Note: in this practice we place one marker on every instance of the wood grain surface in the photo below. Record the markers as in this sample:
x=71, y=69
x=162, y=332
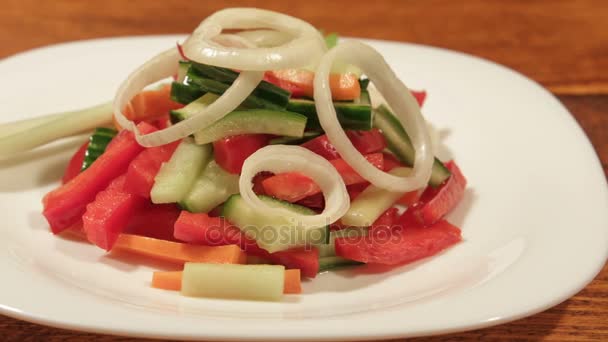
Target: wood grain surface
x=561, y=44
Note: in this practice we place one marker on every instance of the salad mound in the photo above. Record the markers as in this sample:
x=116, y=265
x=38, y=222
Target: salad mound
x=274, y=153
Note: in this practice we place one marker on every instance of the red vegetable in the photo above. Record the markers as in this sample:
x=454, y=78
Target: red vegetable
x=344, y=87
x=216, y=231
x=391, y=162
x=420, y=96
x=75, y=164
x=294, y=186
x=155, y=221
x=64, y=206
x=402, y=246
x=143, y=169
x=386, y=221
x=316, y=201
x=437, y=202
x=355, y=189
x=230, y=153
x=365, y=142
x=108, y=215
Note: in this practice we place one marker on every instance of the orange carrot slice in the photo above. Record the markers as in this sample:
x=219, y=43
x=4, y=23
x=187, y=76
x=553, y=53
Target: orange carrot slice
x=173, y=281
x=180, y=252
x=167, y=280
x=292, y=283
x=344, y=87
x=149, y=105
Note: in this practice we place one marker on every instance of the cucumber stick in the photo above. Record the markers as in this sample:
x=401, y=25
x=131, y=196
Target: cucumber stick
x=182, y=71
x=193, y=107
x=212, y=188
x=176, y=177
x=400, y=144
x=254, y=121
x=185, y=93
x=98, y=142
x=372, y=202
x=233, y=281
x=273, y=233
x=333, y=262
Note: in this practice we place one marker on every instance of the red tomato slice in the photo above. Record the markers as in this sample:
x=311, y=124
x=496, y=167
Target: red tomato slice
x=230, y=152
x=400, y=247
x=155, y=221
x=75, y=164
x=365, y=142
x=65, y=205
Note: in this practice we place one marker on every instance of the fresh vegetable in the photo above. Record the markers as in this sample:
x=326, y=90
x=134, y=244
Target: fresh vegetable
x=212, y=187
x=254, y=282
x=75, y=164
x=352, y=115
x=333, y=262
x=294, y=186
x=372, y=202
x=272, y=232
x=230, y=152
x=329, y=250
x=149, y=105
x=144, y=168
x=179, y=252
x=400, y=144
x=365, y=142
x=403, y=246
x=294, y=141
x=254, y=121
x=195, y=106
x=98, y=142
x=304, y=259
x=436, y=203
x=184, y=94
x=109, y=214
x=176, y=177
x=154, y=220
x=173, y=281
x=65, y=206
x=344, y=87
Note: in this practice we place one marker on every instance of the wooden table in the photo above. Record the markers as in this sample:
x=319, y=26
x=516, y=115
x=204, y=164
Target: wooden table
x=561, y=44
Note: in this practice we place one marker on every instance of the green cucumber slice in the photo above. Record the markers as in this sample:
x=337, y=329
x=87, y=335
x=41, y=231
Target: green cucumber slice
x=272, y=233
x=333, y=262
x=254, y=121
x=293, y=140
x=182, y=71
x=233, y=281
x=185, y=93
x=355, y=115
x=212, y=188
x=400, y=144
x=192, y=108
x=176, y=177
x=372, y=202
x=98, y=142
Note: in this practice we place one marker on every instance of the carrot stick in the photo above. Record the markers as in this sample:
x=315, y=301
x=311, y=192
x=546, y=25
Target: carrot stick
x=173, y=281
x=292, y=283
x=149, y=104
x=167, y=280
x=180, y=252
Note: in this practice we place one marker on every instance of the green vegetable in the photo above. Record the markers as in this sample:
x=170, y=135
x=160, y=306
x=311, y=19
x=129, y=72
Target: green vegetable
x=176, y=177
x=98, y=142
x=355, y=115
x=233, y=281
x=272, y=233
x=254, y=121
x=400, y=144
x=185, y=93
x=192, y=108
x=333, y=262
x=293, y=140
x=212, y=187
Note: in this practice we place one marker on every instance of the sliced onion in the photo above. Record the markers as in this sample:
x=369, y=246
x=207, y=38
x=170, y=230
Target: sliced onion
x=397, y=95
x=233, y=40
x=265, y=38
x=284, y=158
x=165, y=65
x=307, y=45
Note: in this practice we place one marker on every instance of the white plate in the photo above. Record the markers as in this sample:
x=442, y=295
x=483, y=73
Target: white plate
x=535, y=219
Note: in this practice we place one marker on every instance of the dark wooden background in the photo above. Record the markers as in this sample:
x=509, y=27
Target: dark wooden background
x=561, y=44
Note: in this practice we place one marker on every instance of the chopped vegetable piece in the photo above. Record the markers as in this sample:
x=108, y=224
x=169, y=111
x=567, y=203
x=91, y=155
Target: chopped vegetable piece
x=180, y=252
x=365, y=142
x=333, y=262
x=64, y=206
x=420, y=96
x=149, y=105
x=212, y=188
x=344, y=87
x=143, y=169
x=167, y=280
x=98, y=142
x=75, y=164
x=292, y=283
x=108, y=215
x=155, y=221
x=436, y=203
x=253, y=282
x=230, y=153
x=403, y=246
x=302, y=258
